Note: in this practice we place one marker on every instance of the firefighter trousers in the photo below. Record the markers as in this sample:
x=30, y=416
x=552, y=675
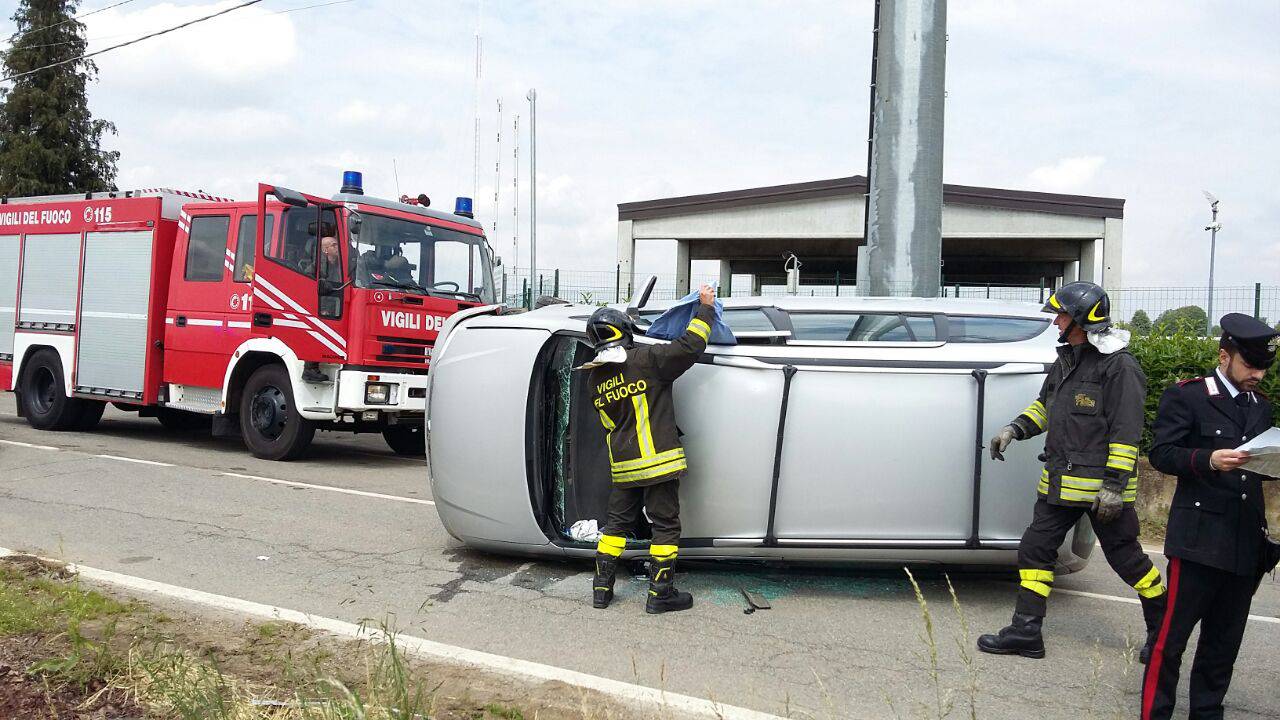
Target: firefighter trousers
x=1038, y=553
x=661, y=502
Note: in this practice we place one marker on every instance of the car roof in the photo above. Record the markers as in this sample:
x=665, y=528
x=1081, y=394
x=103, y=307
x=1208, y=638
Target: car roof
x=950, y=306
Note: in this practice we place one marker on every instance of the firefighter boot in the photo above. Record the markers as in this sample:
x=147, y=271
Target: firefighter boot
x=1153, y=614
x=1021, y=637
x=602, y=587
x=663, y=595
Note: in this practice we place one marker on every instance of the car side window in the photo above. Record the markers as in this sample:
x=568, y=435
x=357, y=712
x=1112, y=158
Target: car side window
x=862, y=327
x=298, y=245
x=986, y=329
x=244, y=245
x=207, y=248
x=748, y=320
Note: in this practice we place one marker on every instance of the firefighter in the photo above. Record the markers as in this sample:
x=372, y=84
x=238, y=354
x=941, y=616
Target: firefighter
x=1091, y=407
x=1216, y=540
x=631, y=391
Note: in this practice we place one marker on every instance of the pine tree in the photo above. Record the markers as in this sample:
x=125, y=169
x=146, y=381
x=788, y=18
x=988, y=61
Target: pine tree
x=49, y=142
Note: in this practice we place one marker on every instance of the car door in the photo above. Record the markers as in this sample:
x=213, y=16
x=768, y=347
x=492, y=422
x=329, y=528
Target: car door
x=286, y=291
x=196, y=349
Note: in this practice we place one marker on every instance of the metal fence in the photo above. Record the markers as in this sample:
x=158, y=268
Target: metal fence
x=518, y=286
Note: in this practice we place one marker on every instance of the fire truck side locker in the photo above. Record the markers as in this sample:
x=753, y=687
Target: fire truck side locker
x=9, y=247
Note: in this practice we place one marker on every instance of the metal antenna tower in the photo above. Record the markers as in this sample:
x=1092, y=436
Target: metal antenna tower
x=497, y=172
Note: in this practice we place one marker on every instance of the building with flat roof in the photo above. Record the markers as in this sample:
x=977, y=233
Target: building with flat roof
x=989, y=235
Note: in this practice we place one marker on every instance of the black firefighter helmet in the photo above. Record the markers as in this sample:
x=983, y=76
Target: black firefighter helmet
x=609, y=328
x=1086, y=303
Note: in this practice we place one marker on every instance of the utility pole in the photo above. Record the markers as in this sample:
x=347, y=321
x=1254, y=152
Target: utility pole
x=533, y=185
x=904, y=197
x=515, y=192
x=1213, y=227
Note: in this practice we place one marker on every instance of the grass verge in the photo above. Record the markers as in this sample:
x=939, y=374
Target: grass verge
x=71, y=650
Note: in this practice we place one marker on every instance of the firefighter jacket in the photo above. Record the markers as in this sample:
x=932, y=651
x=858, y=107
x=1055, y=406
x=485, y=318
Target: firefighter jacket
x=633, y=400
x=1218, y=517
x=1091, y=406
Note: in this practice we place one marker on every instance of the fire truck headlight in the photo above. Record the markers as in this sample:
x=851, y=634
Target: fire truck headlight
x=377, y=393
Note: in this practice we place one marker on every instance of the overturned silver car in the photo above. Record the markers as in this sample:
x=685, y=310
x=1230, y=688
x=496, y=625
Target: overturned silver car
x=837, y=430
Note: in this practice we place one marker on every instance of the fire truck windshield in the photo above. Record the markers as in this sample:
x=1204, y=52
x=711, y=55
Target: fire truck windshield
x=421, y=259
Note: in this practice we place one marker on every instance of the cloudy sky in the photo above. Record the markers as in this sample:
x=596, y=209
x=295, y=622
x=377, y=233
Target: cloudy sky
x=1149, y=101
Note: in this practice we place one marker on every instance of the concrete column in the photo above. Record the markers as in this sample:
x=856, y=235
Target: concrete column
x=627, y=256
x=684, y=267
x=1112, y=244
x=726, y=279
x=1090, y=255
x=756, y=285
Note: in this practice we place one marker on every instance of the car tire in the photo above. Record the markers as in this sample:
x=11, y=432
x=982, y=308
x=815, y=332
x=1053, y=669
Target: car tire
x=44, y=401
x=406, y=440
x=183, y=422
x=270, y=423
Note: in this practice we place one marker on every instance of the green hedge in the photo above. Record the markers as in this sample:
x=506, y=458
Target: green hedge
x=1169, y=358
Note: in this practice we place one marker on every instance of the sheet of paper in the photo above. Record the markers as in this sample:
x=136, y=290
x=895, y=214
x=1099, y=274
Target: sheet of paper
x=1268, y=441
x=1264, y=452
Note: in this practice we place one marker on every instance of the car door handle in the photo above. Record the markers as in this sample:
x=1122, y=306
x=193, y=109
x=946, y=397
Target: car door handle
x=180, y=321
x=262, y=319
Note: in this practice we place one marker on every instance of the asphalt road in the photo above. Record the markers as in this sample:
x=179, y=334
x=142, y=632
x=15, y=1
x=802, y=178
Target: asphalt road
x=200, y=513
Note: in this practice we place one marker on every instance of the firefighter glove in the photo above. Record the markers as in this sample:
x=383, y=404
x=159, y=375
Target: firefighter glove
x=1108, y=504
x=1002, y=440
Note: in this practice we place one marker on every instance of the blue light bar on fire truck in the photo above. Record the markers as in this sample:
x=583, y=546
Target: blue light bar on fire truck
x=462, y=206
x=352, y=182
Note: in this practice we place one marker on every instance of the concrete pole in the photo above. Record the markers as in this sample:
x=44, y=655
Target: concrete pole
x=533, y=182
x=904, y=200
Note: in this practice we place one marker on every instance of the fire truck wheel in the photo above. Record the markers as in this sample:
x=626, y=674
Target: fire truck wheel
x=406, y=440
x=269, y=421
x=44, y=401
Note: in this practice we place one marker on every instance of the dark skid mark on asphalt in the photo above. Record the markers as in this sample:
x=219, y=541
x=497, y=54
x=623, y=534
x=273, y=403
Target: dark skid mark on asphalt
x=134, y=559
x=475, y=567
x=542, y=575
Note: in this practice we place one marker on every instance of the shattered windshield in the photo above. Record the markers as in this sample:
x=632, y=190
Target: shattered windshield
x=421, y=259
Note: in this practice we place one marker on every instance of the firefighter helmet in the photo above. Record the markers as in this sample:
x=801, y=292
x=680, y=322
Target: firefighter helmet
x=1086, y=303
x=609, y=328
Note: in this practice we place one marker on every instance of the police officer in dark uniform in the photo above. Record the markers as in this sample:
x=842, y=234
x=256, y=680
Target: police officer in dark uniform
x=631, y=391
x=1216, y=541
x=1091, y=407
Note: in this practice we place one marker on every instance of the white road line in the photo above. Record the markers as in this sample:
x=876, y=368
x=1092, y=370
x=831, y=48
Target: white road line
x=28, y=445
x=1134, y=601
x=329, y=488
x=639, y=697
x=135, y=460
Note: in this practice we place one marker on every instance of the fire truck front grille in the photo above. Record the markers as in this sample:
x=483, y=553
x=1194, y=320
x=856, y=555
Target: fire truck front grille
x=408, y=351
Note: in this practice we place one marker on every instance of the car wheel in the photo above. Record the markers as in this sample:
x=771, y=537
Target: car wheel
x=270, y=423
x=406, y=440
x=183, y=422
x=44, y=400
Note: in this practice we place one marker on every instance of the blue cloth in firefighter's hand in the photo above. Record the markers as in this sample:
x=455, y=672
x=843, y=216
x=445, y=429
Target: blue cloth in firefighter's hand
x=672, y=323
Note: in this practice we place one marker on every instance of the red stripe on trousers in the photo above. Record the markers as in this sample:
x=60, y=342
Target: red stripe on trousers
x=1157, y=652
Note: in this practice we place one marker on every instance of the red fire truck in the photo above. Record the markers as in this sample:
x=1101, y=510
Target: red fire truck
x=271, y=319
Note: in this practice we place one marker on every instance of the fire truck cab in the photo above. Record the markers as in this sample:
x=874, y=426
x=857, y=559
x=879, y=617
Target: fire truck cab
x=272, y=318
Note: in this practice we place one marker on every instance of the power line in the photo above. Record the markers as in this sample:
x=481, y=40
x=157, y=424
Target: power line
x=76, y=17
x=124, y=34
x=166, y=31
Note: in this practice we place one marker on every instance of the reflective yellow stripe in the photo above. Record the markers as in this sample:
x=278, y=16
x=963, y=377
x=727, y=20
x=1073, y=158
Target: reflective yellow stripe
x=611, y=545
x=663, y=552
x=1122, y=449
x=1150, y=585
x=1037, y=575
x=1079, y=483
x=1038, y=588
x=1120, y=465
x=1121, y=460
x=653, y=472
x=643, y=431
x=644, y=462
x=699, y=328
x=1036, y=412
x=604, y=420
x=608, y=438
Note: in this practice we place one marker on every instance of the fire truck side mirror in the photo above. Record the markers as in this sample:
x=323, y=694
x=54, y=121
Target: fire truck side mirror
x=353, y=223
x=289, y=197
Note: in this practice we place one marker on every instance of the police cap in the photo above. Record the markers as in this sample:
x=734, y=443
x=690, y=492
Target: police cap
x=1252, y=338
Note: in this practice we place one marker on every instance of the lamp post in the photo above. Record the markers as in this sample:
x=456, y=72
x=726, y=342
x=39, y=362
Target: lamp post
x=1213, y=228
x=533, y=185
